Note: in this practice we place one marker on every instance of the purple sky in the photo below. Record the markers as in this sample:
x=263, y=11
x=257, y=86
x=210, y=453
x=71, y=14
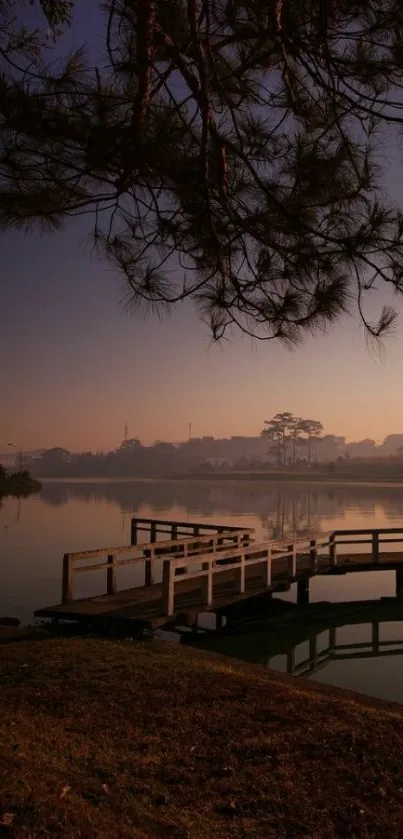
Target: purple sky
x=75, y=366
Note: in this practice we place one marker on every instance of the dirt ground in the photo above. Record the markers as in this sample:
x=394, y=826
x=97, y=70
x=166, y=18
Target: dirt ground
x=116, y=739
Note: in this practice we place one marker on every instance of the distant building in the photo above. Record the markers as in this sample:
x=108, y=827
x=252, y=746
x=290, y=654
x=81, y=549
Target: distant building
x=130, y=444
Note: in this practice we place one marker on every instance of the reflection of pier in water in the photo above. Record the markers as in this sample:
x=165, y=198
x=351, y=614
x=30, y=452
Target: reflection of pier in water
x=317, y=659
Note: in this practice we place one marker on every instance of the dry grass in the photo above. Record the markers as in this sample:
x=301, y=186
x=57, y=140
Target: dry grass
x=108, y=739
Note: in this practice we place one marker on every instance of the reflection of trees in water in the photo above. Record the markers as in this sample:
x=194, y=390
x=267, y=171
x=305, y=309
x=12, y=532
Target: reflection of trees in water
x=293, y=515
x=282, y=508
x=336, y=501
x=129, y=496
x=395, y=508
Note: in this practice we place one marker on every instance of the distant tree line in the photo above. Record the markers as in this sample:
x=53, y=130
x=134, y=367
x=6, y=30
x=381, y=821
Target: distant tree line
x=286, y=444
x=17, y=483
x=287, y=434
x=135, y=460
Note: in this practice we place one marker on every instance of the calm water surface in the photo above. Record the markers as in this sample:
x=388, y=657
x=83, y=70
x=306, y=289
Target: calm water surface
x=64, y=517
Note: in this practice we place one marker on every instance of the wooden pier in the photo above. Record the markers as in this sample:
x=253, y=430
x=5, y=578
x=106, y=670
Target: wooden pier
x=208, y=567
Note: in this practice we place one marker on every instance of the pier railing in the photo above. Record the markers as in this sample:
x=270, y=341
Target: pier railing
x=202, y=552
x=323, y=549
x=177, y=529
x=176, y=571
x=146, y=554
x=375, y=538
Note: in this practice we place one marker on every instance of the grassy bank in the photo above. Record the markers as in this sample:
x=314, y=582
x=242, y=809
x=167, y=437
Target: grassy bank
x=110, y=739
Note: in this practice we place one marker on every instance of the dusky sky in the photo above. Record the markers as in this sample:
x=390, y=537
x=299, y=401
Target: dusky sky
x=75, y=366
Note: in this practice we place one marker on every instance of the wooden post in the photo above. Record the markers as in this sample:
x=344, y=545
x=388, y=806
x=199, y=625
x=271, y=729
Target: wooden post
x=168, y=588
x=207, y=587
x=242, y=575
x=268, y=568
x=210, y=547
x=313, y=554
x=303, y=592
x=332, y=549
x=185, y=549
x=196, y=530
x=375, y=637
x=313, y=653
x=174, y=531
x=111, y=575
x=291, y=661
x=218, y=620
x=375, y=546
x=67, y=579
x=133, y=532
x=149, y=569
x=153, y=531
x=292, y=560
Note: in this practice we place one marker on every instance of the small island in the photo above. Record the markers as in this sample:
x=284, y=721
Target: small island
x=17, y=483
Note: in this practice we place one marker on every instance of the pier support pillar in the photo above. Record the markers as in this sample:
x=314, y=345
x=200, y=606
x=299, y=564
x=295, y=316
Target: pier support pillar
x=375, y=638
x=218, y=621
x=111, y=575
x=148, y=577
x=133, y=532
x=399, y=581
x=291, y=661
x=303, y=592
x=313, y=653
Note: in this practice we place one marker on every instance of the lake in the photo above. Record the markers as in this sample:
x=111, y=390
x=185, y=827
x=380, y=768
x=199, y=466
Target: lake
x=71, y=516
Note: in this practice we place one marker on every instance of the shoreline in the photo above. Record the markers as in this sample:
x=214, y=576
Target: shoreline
x=249, y=477
x=302, y=684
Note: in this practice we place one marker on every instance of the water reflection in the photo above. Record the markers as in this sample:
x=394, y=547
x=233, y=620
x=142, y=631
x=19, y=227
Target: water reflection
x=292, y=514
x=79, y=515
x=282, y=509
x=319, y=656
x=71, y=516
x=358, y=646
x=362, y=657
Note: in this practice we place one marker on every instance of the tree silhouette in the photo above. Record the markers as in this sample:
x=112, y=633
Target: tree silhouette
x=284, y=427
x=279, y=430
x=229, y=152
x=313, y=429
x=21, y=48
x=296, y=431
